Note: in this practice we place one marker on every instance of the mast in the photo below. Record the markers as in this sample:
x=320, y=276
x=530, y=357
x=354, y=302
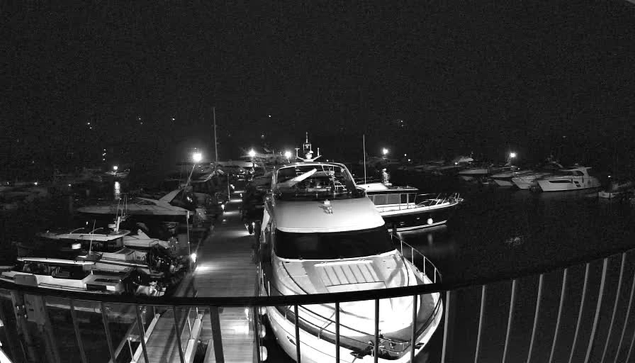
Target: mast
x=215, y=140
x=364, y=148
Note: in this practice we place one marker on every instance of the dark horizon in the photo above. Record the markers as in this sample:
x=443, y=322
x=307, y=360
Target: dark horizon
x=429, y=80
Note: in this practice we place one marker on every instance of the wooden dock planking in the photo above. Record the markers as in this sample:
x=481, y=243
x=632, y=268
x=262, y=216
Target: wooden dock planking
x=226, y=266
x=237, y=336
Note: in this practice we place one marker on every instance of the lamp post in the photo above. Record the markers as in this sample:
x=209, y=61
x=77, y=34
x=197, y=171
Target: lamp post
x=512, y=155
x=252, y=155
x=287, y=154
x=196, y=157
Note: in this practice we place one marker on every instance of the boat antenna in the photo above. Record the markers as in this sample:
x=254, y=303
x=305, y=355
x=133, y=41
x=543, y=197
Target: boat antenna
x=364, y=148
x=215, y=140
x=92, y=234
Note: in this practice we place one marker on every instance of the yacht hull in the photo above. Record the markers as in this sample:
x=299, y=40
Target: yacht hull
x=561, y=185
x=317, y=350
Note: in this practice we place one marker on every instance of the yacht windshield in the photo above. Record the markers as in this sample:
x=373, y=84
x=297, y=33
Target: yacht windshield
x=326, y=246
x=315, y=182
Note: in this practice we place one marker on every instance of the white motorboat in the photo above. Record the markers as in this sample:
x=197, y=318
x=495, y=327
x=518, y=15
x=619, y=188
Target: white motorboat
x=577, y=178
x=105, y=248
x=321, y=234
x=528, y=180
x=504, y=178
x=475, y=171
x=404, y=208
x=70, y=275
x=169, y=206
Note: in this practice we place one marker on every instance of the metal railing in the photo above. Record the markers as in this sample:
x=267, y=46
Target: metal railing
x=581, y=312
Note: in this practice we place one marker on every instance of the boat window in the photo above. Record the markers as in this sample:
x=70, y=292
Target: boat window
x=36, y=268
x=404, y=198
x=349, y=244
x=393, y=198
x=68, y=272
x=380, y=199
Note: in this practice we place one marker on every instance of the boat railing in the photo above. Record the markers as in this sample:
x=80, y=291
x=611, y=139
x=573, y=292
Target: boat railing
x=418, y=259
x=434, y=199
x=579, y=310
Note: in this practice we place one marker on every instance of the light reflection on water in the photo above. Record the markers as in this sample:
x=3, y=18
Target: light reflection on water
x=117, y=190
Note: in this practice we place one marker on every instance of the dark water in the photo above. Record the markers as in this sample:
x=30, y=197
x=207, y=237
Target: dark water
x=500, y=231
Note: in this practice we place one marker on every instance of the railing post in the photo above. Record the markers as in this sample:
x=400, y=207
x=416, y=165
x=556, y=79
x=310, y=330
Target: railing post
x=577, y=325
x=598, y=307
x=376, y=345
x=142, y=333
x=297, y=334
x=537, y=312
x=510, y=318
x=216, y=334
x=19, y=308
x=104, y=318
x=177, y=331
x=480, y=322
x=446, y=326
x=617, y=299
x=337, y=332
x=628, y=315
x=413, y=335
x=560, y=306
x=78, y=336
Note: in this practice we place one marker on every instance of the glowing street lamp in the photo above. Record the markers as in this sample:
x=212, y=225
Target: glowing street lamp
x=287, y=154
x=115, y=168
x=196, y=157
x=512, y=155
x=384, y=152
x=252, y=153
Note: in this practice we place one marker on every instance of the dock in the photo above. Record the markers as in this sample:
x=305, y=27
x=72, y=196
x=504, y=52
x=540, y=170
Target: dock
x=225, y=267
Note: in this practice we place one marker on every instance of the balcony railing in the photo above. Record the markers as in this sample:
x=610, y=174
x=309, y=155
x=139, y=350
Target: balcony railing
x=581, y=312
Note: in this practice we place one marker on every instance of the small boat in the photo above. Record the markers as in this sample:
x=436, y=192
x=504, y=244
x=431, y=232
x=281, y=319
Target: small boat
x=74, y=275
x=321, y=234
x=576, y=178
x=404, y=208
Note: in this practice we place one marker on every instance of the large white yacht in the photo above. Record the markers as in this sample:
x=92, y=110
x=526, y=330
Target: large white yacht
x=321, y=234
x=577, y=178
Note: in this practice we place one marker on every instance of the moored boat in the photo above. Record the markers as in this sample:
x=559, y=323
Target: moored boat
x=321, y=234
x=576, y=178
x=406, y=209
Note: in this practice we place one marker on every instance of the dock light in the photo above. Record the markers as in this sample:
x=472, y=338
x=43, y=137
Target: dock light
x=512, y=155
x=35, y=183
x=115, y=168
x=384, y=151
x=287, y=154
x=197, y=157
x=193, y=257
x=252, y=153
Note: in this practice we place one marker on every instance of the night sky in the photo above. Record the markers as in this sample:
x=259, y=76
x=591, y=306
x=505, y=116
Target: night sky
x=537, y=77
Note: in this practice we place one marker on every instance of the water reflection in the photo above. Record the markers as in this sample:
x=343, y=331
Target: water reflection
x=117, y=190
